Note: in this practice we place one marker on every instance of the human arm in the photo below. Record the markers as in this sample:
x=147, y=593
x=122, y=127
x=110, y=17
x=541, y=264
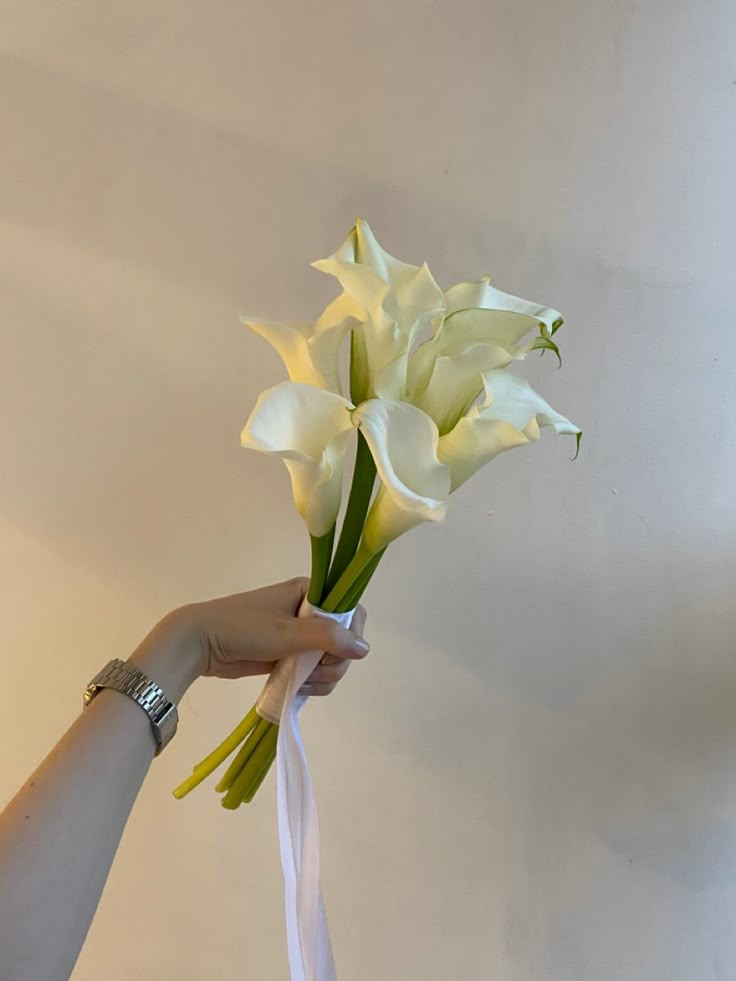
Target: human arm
x=59, y=834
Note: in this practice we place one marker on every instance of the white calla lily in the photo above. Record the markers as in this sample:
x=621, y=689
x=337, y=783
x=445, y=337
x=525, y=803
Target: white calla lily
x=309, y=428
x=444, y=373
x=480, y=293
x=399, y=301
x=511, y=415
x=456, y=381
x=309, y=351
x=415, y=484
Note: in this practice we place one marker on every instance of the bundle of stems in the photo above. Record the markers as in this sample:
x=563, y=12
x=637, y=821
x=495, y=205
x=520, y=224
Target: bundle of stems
x=336, y=585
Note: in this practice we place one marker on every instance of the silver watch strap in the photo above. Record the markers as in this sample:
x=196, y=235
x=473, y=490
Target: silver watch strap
x=129, y=680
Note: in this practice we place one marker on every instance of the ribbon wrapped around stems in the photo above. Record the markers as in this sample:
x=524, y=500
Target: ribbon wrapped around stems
x=307, y=934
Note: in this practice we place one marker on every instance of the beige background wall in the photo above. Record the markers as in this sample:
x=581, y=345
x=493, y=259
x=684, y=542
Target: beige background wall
x=533, y=777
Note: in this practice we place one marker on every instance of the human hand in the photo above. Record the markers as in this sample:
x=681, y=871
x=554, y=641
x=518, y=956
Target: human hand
x=246, y=634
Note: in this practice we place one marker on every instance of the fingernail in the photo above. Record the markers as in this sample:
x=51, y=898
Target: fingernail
x=361, y=646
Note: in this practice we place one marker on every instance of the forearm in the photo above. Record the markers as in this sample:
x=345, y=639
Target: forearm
x=59, y=835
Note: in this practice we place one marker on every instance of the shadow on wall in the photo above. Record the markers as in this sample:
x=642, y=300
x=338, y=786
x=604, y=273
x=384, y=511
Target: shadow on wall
x=623, y=813
x=611, y=757
x=622, y=730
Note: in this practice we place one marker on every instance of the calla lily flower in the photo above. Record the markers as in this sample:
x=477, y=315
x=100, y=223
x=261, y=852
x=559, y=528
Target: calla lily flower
x=444, y=374
x=415, y=484
x=309, y=428
x=398, y=301
x=481, y=331
x=309, y=351
x=511, y=415
x=480, y=293
x=414, y=401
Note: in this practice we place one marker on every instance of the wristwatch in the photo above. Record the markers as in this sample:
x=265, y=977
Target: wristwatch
x=130, y=681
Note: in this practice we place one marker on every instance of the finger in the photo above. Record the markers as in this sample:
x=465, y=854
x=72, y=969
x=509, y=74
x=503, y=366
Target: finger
x=298, y=586
x=333, y=672
x=318, y=689
x=320, y=634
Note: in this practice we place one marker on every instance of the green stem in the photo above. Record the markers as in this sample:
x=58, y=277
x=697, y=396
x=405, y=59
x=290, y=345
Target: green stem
x=241, y=760
x=321, y=556
x=361, y=490
x=347, y=580
x=209, y=763
x=352, y=597
x=251, y=792
x=247, y=799
x=248, y=777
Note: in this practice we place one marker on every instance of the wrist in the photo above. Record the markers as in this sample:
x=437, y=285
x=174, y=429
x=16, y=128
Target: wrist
x=171, y=654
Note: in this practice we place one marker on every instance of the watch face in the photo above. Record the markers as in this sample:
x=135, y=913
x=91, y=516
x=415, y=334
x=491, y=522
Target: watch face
x=168, y=720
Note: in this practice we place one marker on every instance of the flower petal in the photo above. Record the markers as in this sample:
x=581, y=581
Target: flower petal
x=505, y=327
x=457, y=381
x=511, y=416
x=481, y=294
x=399, y=301
x=460, y=330
x=309, y=429
x=473, y=443
x=310, y=354
x=340, y=309
x=403, y=441
x=387, y=521
x=462, y=296
x=512, y=399
x=413, y=299
x=290, y=342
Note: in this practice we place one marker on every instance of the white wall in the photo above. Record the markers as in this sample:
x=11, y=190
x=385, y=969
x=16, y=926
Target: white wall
x=533, y=777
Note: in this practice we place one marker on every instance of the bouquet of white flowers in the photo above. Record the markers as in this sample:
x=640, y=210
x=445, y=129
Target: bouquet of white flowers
x=430, y=402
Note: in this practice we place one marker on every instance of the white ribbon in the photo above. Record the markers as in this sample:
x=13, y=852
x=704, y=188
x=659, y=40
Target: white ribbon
x=307, y=935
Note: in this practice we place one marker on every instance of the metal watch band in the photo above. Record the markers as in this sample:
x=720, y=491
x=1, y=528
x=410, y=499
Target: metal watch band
x=125, y=678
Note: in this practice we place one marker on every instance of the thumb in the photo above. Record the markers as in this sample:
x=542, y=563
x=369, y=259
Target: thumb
x=320, y=634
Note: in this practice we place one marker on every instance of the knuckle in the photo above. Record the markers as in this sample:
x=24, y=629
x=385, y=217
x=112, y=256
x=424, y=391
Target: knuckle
x=298, y=587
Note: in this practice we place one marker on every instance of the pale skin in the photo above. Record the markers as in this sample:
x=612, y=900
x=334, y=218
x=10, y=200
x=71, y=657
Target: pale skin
x=59, y=834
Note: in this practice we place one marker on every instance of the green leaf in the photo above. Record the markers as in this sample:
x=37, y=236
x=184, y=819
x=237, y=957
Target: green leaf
x=548, y=345
x=578, y=438
x=557, y=324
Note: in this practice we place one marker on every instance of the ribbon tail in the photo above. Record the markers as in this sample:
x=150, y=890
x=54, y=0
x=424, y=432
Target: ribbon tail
x=307, y=934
